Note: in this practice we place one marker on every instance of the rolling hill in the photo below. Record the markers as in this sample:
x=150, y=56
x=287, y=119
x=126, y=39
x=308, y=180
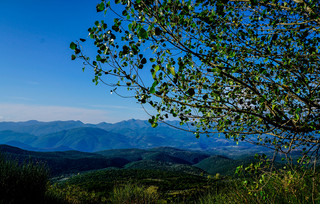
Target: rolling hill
x=191, y=157
x=164, y=166
x=161, y=154
x=222, y=165
x=164, y=159
x=62, y=162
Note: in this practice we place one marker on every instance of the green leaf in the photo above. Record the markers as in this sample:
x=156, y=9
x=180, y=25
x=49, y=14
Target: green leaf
x=77, y=51
x=205, y=97
x=152, y=59
x=143, y=33
x=152, y=88
x=73, y=46
x=172, y=71
x=73, y=57
x=154, y=72
x=144, y=61
x=130, y=26
x=157, y=31
x=191, y=92
x=156, y=68
x=100, y=7
x=124, y=12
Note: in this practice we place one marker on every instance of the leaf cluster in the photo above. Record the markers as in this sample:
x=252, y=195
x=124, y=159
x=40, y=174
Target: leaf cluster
x=248, y=69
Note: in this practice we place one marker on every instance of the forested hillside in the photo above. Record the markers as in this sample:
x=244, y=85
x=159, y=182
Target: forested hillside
x=167, y=159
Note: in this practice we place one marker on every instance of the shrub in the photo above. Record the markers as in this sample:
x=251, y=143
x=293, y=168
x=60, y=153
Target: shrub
x=285, y=186
x=278, y=186
x=22, y=183
x=131, y=193
x=72, y=194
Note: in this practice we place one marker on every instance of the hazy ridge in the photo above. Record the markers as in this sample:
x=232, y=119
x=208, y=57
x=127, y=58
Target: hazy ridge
x=75, y=135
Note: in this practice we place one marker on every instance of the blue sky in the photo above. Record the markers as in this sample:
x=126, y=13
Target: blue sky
x=38, y=80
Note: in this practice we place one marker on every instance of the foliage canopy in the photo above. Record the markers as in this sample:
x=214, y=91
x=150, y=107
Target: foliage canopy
x=245, y=68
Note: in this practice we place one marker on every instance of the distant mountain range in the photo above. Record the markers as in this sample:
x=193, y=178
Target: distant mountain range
x=75, y=135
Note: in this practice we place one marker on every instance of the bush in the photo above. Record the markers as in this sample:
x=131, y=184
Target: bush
x=131, y=193
x=22, y=183
x=212, y=198
x=285, y=186
x=278, y=186
x=71, y=194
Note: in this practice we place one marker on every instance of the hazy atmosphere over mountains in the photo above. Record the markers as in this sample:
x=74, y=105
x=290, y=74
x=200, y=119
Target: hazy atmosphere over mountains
x=75, y=135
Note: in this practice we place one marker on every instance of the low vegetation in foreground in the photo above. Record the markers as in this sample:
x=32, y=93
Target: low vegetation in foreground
x=30, y=182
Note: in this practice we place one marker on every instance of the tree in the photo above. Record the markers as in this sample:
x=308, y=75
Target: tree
x=245, y=68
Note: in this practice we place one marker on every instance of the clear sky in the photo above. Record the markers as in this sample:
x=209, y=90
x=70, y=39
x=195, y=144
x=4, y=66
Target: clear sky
x=38, y=80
